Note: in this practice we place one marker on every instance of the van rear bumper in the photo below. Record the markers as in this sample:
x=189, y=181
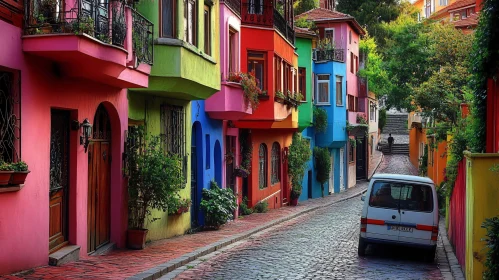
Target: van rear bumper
x=393, y=242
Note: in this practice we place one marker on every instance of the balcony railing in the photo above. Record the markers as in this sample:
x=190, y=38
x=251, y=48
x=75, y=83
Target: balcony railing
x=283, y=27
x=235, y=5
x=87, y=16
x=329, y=55
x=142, y=37
x=264, y=14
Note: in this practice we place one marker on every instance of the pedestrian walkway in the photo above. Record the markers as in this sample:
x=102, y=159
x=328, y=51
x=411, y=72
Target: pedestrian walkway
x=375, y=162
x=177, y=251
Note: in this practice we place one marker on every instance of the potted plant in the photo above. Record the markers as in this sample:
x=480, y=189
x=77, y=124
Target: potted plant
x=85, y=24
x=218, y=205
x=20, y=173
x=295, y=194
x=279, y=97
x=299, y=154
x=6, y=171
x=241, y=172
x=154, y=181
x=322, y=165
x=118, y=26
x=48, y=9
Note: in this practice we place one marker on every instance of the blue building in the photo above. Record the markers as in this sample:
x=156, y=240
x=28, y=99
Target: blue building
x=206, y=156
x=330, y=79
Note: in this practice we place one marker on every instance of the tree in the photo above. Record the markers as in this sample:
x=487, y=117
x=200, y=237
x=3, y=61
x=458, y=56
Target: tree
x=302, y=6
x=371, y=13
x=373, y=71
x=322, y=165
x=299, y=154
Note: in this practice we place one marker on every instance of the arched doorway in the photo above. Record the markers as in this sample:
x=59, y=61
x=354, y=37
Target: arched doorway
x=218, y=163
x=99, y=181
x=196, y=172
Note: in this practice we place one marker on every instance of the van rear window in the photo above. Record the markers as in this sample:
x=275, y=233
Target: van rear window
x=403, y=196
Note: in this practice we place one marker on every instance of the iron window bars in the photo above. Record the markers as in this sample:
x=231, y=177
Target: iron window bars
x=10, y=120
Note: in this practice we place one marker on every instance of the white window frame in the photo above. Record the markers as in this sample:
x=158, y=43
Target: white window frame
x=318, y=82
x=334, y=34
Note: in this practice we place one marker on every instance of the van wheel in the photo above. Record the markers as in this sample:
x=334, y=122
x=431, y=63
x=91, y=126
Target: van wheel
x=361, y=249
x=430, y=255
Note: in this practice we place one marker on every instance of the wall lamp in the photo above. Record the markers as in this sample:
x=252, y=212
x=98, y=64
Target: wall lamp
x=86, y=132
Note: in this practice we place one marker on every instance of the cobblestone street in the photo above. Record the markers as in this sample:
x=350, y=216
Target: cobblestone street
x=319, y=245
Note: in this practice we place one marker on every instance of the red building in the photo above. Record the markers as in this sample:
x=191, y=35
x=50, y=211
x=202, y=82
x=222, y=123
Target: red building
x=267, y=49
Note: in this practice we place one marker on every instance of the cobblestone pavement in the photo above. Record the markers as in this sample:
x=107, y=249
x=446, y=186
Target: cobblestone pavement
x=319, y=245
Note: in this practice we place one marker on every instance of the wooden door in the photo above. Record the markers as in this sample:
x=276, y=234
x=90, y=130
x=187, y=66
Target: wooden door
x=59, y=179
x=361, y=159
x=230, y=157
x=99, y=183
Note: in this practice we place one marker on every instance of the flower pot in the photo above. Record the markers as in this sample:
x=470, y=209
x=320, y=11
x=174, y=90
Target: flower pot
x=5, y=177
x=263, y=97
x=294, y=201
x=18, y=177
x=136, y=238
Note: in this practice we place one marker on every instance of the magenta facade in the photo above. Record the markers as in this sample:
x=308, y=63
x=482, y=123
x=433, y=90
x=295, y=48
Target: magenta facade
x=73, y=74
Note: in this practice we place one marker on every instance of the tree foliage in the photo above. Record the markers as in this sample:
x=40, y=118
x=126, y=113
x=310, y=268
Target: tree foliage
x=322, y=165
x=299, y=154
x=301, y=6
x=218, y=205
x=371, y=14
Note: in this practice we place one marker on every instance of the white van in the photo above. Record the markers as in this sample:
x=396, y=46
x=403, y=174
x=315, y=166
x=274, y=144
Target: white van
x=400, y=210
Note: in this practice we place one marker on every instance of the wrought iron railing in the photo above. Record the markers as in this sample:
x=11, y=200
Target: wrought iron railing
x=142, y=37
x=329, y=55
x=104, y=21
x=235, y=5
x=257, y=13
x=283, y=27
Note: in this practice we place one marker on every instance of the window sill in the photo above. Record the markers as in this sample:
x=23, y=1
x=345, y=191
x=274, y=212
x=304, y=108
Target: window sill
x=186, y=45
x=323, y=104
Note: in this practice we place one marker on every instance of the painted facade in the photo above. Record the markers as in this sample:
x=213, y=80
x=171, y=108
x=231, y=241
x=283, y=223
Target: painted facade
x=61, y=80
x=192, y=50
x=268, y=50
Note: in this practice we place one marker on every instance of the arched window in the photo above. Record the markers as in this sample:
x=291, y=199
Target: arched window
x=262, y=166
x=275, y=163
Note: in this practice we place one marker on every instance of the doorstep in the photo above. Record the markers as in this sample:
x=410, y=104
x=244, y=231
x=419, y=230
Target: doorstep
x=64, y=255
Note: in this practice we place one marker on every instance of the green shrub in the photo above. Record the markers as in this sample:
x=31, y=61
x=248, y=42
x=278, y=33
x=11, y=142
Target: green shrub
x=382, y=119
x=218, y=205
x=245, y=210
x=20, y=166
x=261, y=207
x=320, y=119
x=492, y=240
x=322, y=165
x=299, y=154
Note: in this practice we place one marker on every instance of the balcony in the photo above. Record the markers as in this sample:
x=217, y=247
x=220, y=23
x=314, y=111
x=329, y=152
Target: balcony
x=229, y=103
x=267, y=16
x=108, y=42
x=234, y=5
x=415, y=120
x=319, y=55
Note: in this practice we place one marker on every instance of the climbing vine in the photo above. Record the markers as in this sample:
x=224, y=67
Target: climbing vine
x=484, y=65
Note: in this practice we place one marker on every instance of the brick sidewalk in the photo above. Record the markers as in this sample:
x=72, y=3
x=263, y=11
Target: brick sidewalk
x=375, y=162
x=120, y=264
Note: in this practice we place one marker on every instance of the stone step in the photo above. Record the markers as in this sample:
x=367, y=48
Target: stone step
x=64, y=255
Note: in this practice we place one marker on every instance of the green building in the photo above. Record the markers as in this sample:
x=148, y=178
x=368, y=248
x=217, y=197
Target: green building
x=305, y=41
x=186, y=67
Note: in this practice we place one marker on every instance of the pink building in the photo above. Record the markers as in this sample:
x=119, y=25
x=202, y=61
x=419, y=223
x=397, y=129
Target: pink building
x=70, y=63
x=229, y=103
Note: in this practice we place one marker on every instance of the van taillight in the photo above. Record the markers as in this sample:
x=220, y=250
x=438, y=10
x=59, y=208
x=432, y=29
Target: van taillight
x=434, y=233
x=363, y=224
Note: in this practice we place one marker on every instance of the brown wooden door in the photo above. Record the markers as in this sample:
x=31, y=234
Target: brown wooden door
x=99, y=183
x=59, y=171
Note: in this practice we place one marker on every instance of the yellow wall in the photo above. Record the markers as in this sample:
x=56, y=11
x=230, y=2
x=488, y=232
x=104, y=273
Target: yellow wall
x=146, y=108
x=482, y=196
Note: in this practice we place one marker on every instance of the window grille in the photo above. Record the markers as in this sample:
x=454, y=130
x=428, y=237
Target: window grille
x=262, y=171
x=10, y=120
x=276, y=163
x=173, y=132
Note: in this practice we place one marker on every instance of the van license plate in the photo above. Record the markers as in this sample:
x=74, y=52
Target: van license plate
x=400, y=228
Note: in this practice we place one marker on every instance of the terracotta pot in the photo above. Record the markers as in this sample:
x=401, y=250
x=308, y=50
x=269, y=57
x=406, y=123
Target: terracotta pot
x=136, y=238
x=294, y=201
x=5, y=177
x=18, y=177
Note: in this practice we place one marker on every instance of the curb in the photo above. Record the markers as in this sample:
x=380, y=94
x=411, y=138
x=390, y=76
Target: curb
x=377, y=166
x=455, y=268
x=164, y=268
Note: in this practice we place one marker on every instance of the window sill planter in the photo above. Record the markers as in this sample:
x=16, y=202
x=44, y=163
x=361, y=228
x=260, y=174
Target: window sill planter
x=263, y=97
x=18, y=177
x=5, y=177
x=279, y=100
x=180, y=211
x=136, y=238
x=241, y=173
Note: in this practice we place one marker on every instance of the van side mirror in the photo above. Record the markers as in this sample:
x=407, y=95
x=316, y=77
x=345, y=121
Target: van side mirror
x=363, y=198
